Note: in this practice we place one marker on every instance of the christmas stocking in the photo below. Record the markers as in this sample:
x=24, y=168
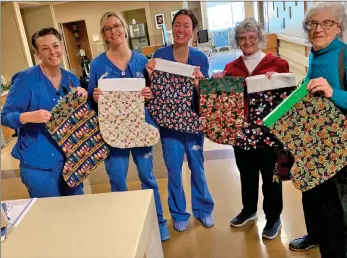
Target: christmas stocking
x=222, y=108
x=122, y=114
x=173, y=88
x=74, y=126
x=315, y=131
x=264, y=95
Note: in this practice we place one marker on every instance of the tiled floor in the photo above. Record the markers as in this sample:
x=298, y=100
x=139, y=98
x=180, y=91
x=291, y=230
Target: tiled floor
x=221, y=240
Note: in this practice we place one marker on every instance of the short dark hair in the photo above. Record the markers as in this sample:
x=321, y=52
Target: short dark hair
x=43, y=32
x=190, y=14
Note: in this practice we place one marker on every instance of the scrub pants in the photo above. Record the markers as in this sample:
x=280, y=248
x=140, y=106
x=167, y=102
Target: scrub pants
x=175, y=145
x=47, y=182
x=117, y=164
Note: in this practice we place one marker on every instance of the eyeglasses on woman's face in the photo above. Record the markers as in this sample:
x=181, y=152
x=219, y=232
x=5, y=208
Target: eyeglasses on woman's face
x=325, y=25
x=116, y=27
x=251, y=38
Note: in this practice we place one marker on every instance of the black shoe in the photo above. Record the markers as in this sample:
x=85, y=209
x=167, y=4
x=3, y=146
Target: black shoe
x=241, y=219
x=301, y=244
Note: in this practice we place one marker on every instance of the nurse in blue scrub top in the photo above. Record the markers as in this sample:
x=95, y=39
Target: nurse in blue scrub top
x=176, y=144
x=120, y=62
x=34, y=92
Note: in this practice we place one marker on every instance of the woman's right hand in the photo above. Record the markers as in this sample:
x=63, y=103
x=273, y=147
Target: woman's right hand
x=37, y=117
x=96, y=94
x=218, y=75
x=150, y=66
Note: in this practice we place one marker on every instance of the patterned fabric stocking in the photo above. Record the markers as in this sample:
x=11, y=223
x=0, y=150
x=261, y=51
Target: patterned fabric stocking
x=264, y=95
x=74, y=126
x=122, y=114
x=315, y=131
x=222, y=108
x=172, y=99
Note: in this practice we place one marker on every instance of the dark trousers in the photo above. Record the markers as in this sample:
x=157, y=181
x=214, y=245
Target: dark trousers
x=324, y=215
x=250, y=163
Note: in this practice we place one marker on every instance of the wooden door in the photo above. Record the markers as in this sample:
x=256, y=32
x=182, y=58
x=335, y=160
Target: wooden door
x=72, y=49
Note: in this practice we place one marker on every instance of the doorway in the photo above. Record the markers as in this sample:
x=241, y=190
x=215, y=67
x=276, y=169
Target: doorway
x=77, y=47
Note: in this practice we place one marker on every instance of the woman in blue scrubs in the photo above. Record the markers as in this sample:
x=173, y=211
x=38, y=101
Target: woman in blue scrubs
x=176, y=144
x=120, y=62
x=34, y=92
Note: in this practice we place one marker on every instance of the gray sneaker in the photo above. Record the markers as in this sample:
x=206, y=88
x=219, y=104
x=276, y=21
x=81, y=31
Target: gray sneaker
x=302, y=244
x=271, y=230
x=241, y=219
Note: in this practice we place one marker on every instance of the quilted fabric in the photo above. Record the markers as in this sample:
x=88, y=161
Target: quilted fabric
x=315, y=131
x=255, y=134
x=122, y=120
x=74, y=126
x=222, y=108
x=171, y=103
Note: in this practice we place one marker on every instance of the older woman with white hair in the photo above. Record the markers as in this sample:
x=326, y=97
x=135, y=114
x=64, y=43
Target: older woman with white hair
x=250, y=38
x=325, y=205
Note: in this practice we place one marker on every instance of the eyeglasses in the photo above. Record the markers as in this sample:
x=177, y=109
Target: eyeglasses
x=325, y=25
x=250, y=38
x=116, y=27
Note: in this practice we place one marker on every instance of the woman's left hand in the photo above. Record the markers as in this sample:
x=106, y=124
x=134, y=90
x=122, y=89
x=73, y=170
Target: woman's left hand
x=147, y=93
x=81, y=92
x=320, y=85
x=197, y=75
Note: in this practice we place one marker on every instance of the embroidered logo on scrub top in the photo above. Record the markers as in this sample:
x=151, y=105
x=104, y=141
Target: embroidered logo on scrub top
x=139, y=75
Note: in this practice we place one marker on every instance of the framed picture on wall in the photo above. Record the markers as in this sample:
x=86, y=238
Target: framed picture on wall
x=173, y=13
x=159, y=21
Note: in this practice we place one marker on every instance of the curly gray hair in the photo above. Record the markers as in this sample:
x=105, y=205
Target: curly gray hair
x=248, y=25
x=338, y=9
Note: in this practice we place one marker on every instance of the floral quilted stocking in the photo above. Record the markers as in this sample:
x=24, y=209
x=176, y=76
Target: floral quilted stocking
x=315, y=131
x=173, y=89
x=74, y=126
x=222, y=108
x=122, y=114
x=264, y=95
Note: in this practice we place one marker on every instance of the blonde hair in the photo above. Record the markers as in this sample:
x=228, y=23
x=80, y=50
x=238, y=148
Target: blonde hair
x=103, y=21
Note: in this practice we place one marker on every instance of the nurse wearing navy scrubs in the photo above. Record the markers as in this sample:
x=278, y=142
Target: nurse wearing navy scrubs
x=34, y=92
x=176, y=144
x=120, y=62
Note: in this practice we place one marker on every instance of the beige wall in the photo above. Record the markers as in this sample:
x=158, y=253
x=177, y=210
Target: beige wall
x=139, y=15
x=204, y=17
x=166, y=8
x=37, y=18
x=15, y=54
x=249, y=9
x=92, y=12
x=196, y=8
